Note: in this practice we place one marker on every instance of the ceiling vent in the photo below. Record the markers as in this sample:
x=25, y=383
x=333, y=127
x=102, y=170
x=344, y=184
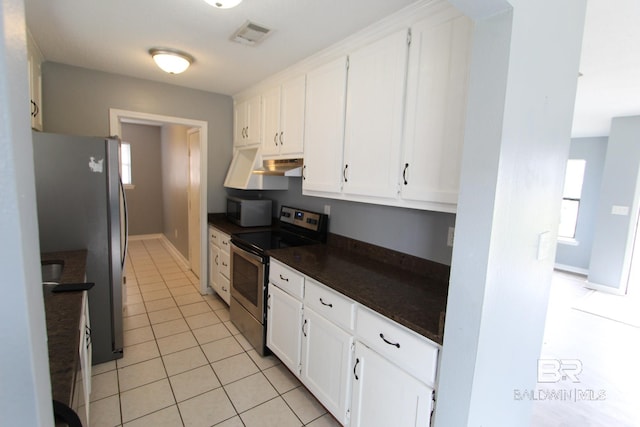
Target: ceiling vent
x=250, y=34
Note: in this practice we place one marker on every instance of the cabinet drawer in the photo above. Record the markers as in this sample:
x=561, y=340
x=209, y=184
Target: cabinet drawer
x=410, y=351
x=225, y=264
x=286, y=279
x=214, y=236
x=223, y=289
x=225, y=244
x=333, y=306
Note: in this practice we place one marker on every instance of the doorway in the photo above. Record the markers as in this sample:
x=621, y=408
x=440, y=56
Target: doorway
x=199, y=240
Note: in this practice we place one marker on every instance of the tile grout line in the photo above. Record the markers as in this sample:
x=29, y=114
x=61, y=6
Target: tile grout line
x=157, y=269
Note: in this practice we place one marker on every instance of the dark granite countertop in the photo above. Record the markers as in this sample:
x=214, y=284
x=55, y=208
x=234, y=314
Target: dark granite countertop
x=414, y=296
x=409, y=290
x=220, y=221
x=63, y=311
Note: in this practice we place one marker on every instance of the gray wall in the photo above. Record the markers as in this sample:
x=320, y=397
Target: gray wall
x=577, y=257
x=144, y=202
x=614, y=234
x=175, y=183
x=419, y=233
x=77, y=101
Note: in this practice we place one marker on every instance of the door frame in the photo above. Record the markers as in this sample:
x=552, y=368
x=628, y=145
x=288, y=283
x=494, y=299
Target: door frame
x=190, y=225
x=118, y=116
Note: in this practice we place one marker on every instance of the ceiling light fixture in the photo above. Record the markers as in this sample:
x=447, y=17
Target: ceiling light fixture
x=170, y=60
x=224, y=4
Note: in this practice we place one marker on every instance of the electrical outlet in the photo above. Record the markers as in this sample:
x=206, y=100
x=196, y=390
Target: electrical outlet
x=450, y=237
x=327, y=209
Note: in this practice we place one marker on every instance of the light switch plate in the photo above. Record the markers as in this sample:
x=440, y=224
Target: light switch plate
x=544, y=245
x=450, y=235
x=619, y=210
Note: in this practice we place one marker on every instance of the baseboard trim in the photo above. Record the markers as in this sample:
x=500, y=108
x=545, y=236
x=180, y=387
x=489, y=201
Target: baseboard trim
x=176, y=253
x=146, y=237
x=604, y=288
x=572, y=269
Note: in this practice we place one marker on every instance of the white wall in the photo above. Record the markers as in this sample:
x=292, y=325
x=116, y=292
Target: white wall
x=25, y=389
x=522, y=90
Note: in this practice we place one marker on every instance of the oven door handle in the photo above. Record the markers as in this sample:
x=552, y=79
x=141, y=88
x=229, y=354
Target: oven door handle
x=246, y=254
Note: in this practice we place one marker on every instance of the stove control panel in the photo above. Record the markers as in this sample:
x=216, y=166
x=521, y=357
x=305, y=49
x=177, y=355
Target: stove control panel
x=305, y=219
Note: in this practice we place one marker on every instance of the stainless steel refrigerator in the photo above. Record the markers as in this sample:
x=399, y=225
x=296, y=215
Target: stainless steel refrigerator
x=81, y=206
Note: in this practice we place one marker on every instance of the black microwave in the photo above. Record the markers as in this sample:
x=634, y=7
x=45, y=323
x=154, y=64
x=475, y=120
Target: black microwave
x=249, y=212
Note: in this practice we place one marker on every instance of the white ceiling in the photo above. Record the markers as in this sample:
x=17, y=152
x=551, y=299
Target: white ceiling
x=115, y=36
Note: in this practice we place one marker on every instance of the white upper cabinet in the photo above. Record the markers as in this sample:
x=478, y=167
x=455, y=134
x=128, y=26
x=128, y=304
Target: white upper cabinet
x=283, y=119
x=34, y=60
x=247, y=122
x=324, y=127
x=373, y=131
x=383, y=116
x=435, y=110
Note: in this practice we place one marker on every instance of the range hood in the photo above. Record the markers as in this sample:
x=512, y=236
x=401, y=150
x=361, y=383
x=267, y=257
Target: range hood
x=241, y=172
x=281, y=167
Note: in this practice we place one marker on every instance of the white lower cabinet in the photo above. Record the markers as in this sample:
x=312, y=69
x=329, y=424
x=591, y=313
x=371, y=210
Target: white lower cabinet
x=367, y=370
x=384, y=395
x=326, y=363
x=219, y=263
x=85, y=351
x=284, y=327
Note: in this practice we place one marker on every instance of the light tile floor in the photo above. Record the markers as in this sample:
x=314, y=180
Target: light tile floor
x=185, y=364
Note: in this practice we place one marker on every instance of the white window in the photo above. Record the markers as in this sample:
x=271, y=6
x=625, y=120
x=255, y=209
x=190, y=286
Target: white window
x=571, y=198
x=125, y=163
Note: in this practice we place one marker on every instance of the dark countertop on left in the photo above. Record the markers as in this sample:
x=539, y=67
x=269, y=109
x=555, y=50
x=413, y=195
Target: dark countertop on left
x=63, y=312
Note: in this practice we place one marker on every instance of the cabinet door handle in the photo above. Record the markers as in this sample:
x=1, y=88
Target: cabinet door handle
x=327, y=304
x=404, y=173
x=269, y=302
x=344, y=173
x=87, y=336
x=275, y=139
x=224, y=289
x=284, y=278
x=389, y=342
x=281, y=138
x=303, y=325
x=304, y=169
x=217, y=259
x=354, y=368
x=224, y=265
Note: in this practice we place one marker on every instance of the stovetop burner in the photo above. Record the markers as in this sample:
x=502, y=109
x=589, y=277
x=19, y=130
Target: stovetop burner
x=297, y=227
x=272, y=239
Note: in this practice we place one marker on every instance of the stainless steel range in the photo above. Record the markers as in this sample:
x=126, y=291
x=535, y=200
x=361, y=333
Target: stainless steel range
x=250, y=267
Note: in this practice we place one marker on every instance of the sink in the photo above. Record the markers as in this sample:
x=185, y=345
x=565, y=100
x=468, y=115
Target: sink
x=52, y=271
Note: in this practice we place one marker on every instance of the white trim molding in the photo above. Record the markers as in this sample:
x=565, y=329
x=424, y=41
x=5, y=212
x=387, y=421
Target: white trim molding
x=571, y=269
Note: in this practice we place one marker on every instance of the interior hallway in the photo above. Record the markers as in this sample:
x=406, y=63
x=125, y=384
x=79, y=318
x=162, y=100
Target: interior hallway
x=184, y=362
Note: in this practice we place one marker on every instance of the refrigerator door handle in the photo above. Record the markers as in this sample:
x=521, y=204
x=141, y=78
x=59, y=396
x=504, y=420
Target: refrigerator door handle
x=126, y=223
